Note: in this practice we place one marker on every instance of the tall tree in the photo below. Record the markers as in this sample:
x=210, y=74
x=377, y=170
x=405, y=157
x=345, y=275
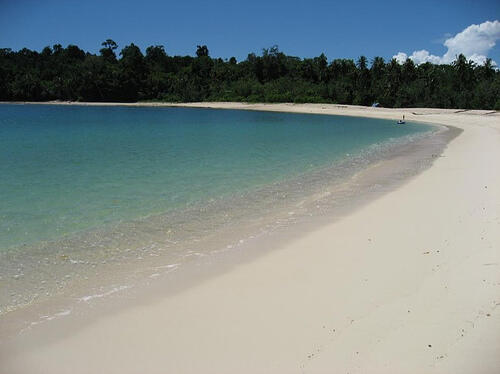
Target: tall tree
x=108, y=50
x=202, y=51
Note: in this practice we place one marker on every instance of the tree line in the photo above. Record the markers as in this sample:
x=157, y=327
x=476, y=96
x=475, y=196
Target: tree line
x=58, y=73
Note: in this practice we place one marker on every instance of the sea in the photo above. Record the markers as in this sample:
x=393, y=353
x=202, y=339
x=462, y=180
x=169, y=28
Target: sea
x=95, y=198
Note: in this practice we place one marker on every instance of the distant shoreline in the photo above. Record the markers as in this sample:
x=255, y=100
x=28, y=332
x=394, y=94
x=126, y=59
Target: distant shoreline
x=413, y=114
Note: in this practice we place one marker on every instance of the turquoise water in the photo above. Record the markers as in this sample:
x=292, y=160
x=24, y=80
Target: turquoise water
x=94, y=200
x=67, y=169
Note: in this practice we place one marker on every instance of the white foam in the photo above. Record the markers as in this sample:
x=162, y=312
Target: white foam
x=43, y=319
x=63, y=313
x=104, y=294
x=169, y=266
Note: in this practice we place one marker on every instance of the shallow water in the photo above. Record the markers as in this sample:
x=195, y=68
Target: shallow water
x=85, y=189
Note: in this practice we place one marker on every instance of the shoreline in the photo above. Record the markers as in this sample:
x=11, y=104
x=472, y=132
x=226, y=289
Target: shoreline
x=127, y=238
x=332, y=193
x=315, y=108
x=288, y=327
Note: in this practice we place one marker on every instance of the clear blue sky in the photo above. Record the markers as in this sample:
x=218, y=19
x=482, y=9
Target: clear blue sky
x=232, y=28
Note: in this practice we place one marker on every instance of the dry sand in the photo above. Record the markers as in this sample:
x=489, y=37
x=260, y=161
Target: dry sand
x=409, y=283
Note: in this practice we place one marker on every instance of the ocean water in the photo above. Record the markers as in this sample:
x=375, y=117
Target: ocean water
x=84, y=186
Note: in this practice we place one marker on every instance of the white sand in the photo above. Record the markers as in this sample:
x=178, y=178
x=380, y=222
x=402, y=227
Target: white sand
x=410, y=283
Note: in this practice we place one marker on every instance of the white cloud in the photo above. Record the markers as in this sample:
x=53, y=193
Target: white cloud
x=474, y=42
x=400, y=57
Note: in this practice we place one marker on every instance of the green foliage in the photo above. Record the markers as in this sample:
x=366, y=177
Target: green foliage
x=58, y=73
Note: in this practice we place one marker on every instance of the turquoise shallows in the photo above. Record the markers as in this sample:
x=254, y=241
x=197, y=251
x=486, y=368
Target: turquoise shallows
x=65, y=169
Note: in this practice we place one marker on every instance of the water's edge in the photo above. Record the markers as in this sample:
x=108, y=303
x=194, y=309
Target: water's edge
x=146, y=272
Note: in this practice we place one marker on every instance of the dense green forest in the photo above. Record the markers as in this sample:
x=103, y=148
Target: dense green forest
x=58, y=73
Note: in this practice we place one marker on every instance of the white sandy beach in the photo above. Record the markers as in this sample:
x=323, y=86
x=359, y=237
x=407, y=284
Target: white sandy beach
x=409, y=283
